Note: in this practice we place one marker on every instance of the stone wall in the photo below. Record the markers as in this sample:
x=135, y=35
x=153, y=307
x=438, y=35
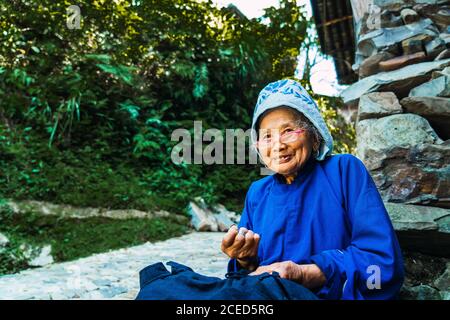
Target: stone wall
x=401, y=106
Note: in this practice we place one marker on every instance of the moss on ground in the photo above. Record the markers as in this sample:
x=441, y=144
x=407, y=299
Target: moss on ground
x=72, y=238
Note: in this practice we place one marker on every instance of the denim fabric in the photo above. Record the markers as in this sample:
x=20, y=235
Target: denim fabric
x=156, y=283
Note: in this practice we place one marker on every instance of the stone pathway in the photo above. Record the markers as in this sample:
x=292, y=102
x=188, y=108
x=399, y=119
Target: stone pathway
x=115, y=274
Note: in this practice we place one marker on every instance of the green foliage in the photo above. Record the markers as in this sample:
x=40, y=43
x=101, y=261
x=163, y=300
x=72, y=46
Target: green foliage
x=11, y=257
x=86, y=115
x=343, y=133
x=76, y=238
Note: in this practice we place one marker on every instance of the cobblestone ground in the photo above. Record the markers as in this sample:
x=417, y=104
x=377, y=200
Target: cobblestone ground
x=115, y=274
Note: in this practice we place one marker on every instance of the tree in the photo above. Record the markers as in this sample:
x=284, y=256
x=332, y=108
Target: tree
x=79, y=107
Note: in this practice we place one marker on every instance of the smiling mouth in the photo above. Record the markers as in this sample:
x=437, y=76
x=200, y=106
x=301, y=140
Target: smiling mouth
x=284, y=159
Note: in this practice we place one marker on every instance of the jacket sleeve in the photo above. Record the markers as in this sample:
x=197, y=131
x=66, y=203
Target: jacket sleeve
x=371, y=267
x=245, y=221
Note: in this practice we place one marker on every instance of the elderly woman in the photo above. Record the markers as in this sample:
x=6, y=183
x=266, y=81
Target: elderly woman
x=319, y=220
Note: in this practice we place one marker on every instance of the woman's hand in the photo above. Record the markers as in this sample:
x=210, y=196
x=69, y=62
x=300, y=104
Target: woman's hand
x=309, y=275
x=242, y=245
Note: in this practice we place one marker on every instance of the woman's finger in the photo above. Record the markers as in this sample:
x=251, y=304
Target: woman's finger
x=260, y=270
x=249, y=242
x=229, y=237
x=243, y=231
x=239, y=242
x=249, y=239
x=252, y=243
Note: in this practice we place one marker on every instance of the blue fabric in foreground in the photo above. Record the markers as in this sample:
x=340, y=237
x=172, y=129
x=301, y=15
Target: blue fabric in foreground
x=184, y=284
x=331, y=215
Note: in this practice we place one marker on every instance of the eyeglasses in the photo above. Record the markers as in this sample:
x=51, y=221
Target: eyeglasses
x=286, y=137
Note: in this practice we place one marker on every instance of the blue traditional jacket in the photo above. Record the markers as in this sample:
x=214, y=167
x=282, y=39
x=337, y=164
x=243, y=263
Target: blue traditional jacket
x=331, y=215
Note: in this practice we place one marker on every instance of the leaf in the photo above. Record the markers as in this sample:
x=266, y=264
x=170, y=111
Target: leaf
x=132, y=109
x=201, y=81
x=108, y=68
x=153, y=120
x=226, y=52
x=121, y=71
x=185, y=69
x=103, y=58
x=55, y=126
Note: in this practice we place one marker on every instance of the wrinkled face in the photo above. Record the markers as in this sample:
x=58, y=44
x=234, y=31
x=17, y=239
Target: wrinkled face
x=283, y=147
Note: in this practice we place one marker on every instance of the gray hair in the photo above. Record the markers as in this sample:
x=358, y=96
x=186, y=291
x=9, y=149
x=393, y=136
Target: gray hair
x=305, y=124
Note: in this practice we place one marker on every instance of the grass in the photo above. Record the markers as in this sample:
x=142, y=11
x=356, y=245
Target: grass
x=72, y=238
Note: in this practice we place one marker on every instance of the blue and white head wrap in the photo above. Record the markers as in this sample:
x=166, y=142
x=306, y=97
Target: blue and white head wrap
x=291, y=94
